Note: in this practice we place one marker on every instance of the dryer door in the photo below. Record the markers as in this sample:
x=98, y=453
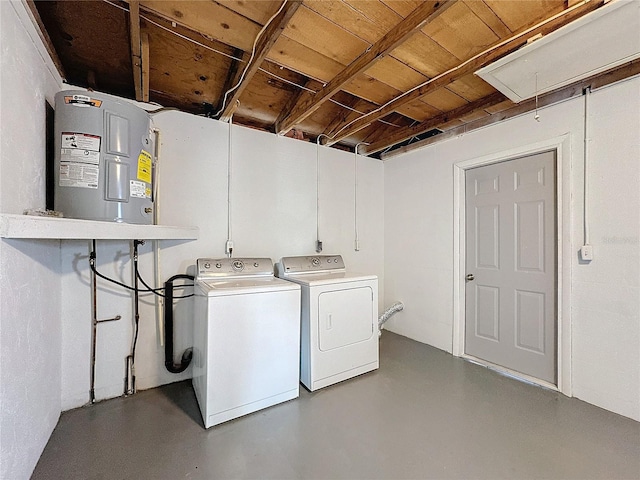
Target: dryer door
x=345, y=317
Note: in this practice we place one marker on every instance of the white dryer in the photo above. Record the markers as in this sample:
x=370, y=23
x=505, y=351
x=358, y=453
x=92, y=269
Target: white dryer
x=339, y=317
x=246, y=338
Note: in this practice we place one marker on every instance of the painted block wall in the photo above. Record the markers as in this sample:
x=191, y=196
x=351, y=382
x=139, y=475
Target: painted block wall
x=605, y=294
x=30, y=325
x=273, y=214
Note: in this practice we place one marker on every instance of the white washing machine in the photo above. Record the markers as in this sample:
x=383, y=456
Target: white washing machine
x=246, y=338
x=339, y=318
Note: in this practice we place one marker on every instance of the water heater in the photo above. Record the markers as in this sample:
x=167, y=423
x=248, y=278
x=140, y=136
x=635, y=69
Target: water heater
x=104, y=156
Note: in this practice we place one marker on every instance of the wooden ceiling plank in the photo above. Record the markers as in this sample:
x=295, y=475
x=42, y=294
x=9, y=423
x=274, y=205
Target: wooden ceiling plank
x=396, y=74
x=324, y=36
x=402, y=7
x=497, y=51
x=575, y=89
x=208, y=18
x=260, y=12
x=266, y=41
x=136, y=47
x=516, y=15
x=431, y=123
x=426, y=12
x=488, y=16
x=461, y=32
x=302, y=59
x=354, y=19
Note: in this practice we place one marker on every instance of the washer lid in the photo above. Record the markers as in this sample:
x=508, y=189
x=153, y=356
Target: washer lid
x=317, y=279
x=244, y=286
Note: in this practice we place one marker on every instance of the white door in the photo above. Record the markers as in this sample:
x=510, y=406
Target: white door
x=511, y=265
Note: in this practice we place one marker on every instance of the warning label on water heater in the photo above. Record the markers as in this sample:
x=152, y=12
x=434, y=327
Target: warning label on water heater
x=137, y=189
x=79, y=160
x=78, y=175
x=144, y=166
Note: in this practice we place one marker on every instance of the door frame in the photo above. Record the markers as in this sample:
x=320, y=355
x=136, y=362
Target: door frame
x=562, y=148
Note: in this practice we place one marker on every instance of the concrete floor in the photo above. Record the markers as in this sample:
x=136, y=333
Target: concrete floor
x=424, y=414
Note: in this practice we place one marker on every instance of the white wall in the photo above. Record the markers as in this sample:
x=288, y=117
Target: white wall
x=30, y=326
x=273, y=205
x=605, y=294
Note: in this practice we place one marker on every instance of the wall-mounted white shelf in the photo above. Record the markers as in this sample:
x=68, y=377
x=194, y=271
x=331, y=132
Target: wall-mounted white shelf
x=29, y=226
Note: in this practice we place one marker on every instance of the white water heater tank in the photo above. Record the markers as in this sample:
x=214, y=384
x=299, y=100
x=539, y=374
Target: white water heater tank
x=104, y=157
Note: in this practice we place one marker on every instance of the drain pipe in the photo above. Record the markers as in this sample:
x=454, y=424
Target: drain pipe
x=387, y=314
x=187, y=355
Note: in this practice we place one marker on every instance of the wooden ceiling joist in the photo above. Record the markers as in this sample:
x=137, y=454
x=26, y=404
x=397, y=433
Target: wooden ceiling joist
x=144, y=57
x=309, y=103
x=498, y=50
x=234, y=73
x=266, y=41
x=136, y=49
x=574, y=90
x=431, y=123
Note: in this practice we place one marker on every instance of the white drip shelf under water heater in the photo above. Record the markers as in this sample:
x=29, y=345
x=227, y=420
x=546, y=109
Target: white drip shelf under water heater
x=36, y=227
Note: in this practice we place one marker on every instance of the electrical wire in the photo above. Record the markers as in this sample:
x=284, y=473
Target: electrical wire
x=253, y=53
x=130, y=288
x=585, y=210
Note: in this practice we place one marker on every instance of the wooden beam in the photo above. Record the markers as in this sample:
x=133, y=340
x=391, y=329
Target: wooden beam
x=347, y=113
x=144, y=57
x=293, y=99
x=408, y=132
x=498, y=50
x=309, y=103
x=266, y=41
x=575, y=89
x=136, y=47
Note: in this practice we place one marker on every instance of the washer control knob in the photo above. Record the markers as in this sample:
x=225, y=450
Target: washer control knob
x=255, y=264
x=207, y=265
x=335, y=260
x=218, y=265
x=315, y=261
x=237, y=265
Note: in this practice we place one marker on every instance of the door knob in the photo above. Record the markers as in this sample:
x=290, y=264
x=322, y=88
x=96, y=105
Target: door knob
x=469, y=277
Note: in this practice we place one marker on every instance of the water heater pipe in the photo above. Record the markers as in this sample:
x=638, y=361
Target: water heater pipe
x=157, y=271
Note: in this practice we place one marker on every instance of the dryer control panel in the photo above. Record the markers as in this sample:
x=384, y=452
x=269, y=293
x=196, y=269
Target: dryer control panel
x=311, y=264
x=233, y=267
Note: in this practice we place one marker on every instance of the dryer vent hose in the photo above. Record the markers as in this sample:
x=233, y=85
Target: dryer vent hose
x=168, y=329
x=388, y=313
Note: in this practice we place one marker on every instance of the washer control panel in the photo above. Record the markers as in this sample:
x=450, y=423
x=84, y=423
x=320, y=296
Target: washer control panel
x=233, y=267
x=311, y=264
